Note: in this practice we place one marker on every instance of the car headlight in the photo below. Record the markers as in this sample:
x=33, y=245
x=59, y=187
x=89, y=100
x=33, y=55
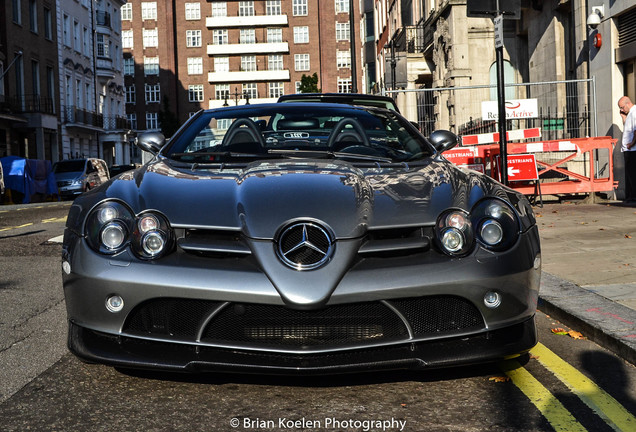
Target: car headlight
x=111, y=227
x=454, y=232
x=497, y=224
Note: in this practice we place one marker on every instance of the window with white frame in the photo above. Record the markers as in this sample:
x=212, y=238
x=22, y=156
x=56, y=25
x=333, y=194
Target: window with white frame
x=247, y=36
x=131, y=95
x=153, y=93
x=344, y=85
x=77, y=44
x=127, y=39
x=272, y=7
x=152, y=121
x=274, y=35
x=151, y=38
x=86, y=40
x=148, y=10
x=132, y=120
x=250, y=90
x=103, y=45
x=342, y=31
x=297, y=85
x=301, y=34
x=193, y=11
x=126, y=12
x=193, y=38
x=221, y=64
x=195, y=65
x=246, y=8
x=129, y=66
x=342, y=6
x=221, y=91
x=219, y=37
x=195, y=93
x=301, y=62
x=275, y=62
x=343, y=59
x=248, y=63
x=299, y=7
x=276, y=89
x=151, y=66
x=219, y=9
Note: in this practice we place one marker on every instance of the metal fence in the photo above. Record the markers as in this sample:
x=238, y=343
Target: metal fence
x=566, y=109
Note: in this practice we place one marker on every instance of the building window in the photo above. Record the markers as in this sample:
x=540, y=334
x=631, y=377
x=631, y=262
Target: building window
x=221, y=91
x=342, y=31
x=192, y=11
x=148, y=10
x=249, y=90
x=301, y=62
x=50, y=81
x=126, y=12
x=86, y=39
x=275, y=62
x=247, y=36
x=344, y=85
x=299, y=7
x=103, y=46
x=17, y=11
x=275, y=89
x=129, y=66
x=274, y=35
x=152, y=121
x=131, y=96
x=219, y=37
x=48, y=24
x=301, y=34
x=193, y=38
x=76, y=37
x=132, y=120
x=221, y=64
x=151, y=66
x=342, y=6
x=33, y=16
x=272, y=7
x=246, y=8
x=195, y=93
x=151, y=38
x=127, y=38
x=66, y=30
x=248, y=63
x=153, y=93
x=219, y=9
x=343, y=59
x=297, y=85
x=35, y=77
x=195, y=65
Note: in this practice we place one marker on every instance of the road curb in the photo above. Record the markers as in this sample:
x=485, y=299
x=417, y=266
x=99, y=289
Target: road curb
x=609, y=324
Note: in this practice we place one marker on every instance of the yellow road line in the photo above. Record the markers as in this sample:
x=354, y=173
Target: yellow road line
x=60, y=219
x=591, y=394
x=549, y=406
x=16, y=227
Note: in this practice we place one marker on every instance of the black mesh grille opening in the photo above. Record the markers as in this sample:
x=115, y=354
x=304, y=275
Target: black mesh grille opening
x=439, y=314
x=264, y=325
x=170, y=317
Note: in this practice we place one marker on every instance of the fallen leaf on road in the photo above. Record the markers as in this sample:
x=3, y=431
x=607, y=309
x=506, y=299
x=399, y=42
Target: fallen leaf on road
x=499, y=379
x=575, y=335
x=534, y=357
x=628, y=236
x=559, y=331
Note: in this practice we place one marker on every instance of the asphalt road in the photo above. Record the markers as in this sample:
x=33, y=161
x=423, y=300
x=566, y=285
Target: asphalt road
x=565, y=384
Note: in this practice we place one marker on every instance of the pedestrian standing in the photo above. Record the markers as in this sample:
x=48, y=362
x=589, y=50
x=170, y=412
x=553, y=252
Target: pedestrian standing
x=628, y=146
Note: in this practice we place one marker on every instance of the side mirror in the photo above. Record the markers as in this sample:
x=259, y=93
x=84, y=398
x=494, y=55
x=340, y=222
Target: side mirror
x=443, y=140
x=151, y=142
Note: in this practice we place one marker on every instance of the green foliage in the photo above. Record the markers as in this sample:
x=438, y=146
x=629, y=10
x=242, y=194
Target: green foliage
x=309, y=84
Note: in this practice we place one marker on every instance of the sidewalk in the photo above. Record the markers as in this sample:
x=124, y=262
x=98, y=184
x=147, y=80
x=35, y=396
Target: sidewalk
x=589, y=271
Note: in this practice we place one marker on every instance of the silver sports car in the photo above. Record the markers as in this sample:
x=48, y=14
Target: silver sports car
x=308, y=238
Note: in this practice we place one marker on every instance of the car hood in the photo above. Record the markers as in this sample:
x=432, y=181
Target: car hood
x=262, y=197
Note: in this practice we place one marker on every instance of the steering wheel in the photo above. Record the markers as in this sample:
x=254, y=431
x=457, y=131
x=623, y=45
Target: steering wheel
x=338, y=134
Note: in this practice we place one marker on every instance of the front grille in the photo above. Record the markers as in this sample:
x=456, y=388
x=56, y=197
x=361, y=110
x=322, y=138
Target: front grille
x=269, y=327
x=64, y=183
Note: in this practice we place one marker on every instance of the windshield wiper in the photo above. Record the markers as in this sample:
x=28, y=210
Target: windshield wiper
x=206, y=155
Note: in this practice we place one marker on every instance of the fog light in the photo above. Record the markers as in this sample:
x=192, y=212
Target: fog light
x=114, y=303
x=66, y=267
x=492, y=299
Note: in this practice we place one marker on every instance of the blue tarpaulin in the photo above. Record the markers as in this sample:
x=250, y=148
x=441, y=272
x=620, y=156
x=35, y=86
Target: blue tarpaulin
x=28, y=176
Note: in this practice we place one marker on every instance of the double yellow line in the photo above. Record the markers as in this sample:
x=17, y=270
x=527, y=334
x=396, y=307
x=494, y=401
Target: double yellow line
x=604, y=405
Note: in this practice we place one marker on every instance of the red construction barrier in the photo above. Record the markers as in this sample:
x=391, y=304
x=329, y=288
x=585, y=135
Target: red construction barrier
x=578, y=165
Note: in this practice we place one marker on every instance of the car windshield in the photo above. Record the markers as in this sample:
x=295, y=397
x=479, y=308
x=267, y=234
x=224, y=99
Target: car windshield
x=69, y=166
x=290, y=130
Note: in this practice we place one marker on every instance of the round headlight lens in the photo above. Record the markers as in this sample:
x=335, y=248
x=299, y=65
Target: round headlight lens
x=107, y=214
x=456, y=220
x=153, y=243
x=452, y=240
x=113, y=236
x=491, y=232
x=148, y=223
